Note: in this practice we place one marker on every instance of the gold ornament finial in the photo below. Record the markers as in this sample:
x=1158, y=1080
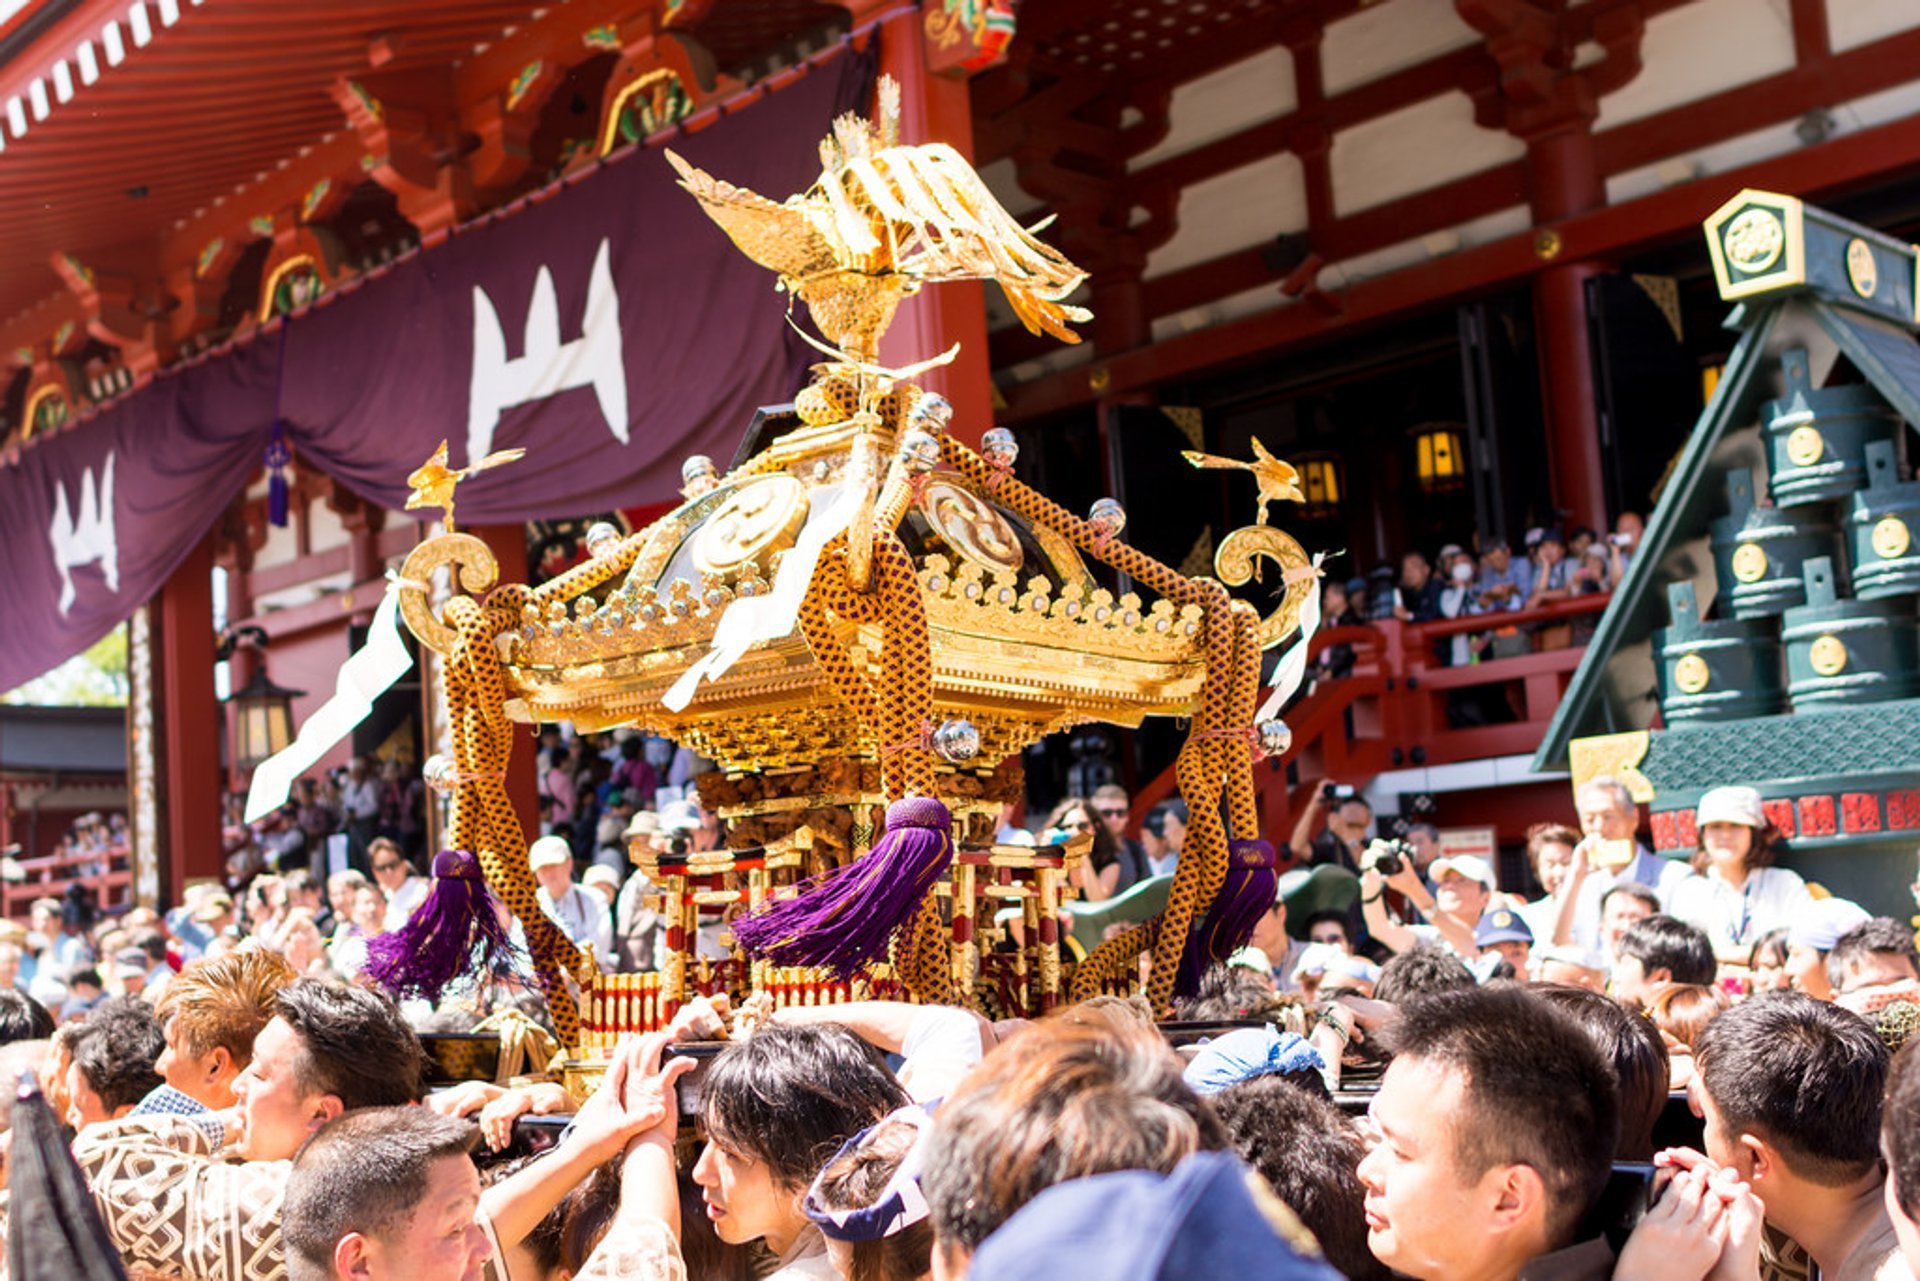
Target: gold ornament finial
x=433, y=482
x=1278, y=480
x=882, y=220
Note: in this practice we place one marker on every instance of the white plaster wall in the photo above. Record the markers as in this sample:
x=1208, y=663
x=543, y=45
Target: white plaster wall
x=1701, y=49
x=1248, y=206
x=1384, y=38
x=1851, y=23
x=1413, y=149
x=1213, y=107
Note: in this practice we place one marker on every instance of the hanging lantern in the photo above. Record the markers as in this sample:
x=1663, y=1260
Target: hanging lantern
x=262, y=718
x=1439, y=459
x=1322, y=483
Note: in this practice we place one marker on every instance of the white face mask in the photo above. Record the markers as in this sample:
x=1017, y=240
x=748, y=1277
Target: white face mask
x=1463, y=573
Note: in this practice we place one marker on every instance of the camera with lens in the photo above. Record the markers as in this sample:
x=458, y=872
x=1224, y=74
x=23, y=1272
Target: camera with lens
x=1390, y=858
x=679, y=845
x=1332, y=793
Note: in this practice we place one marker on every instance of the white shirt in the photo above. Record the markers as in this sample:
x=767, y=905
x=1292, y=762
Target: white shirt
x=1735, y=918
x=586, y=919
x=1661, y=875
x=362, y=799
x=401, y=902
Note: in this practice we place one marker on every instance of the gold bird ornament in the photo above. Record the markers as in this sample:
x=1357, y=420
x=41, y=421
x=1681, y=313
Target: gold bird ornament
x=882, y=220
x=1278, y=479
x=433, y=482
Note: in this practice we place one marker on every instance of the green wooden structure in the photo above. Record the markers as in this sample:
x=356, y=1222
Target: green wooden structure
x=1810, y=404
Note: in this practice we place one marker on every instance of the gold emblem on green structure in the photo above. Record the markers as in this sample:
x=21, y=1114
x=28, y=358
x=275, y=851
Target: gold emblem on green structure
x=1891, y=538
x=1754, y=240
x=1691, y=674
x=1805, y=446
x=1827, y=656
x=1749, y=563
x=1862, y=273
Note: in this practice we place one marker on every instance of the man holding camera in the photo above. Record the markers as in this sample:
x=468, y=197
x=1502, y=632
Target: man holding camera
x=1348, y=816
x=1464, y=887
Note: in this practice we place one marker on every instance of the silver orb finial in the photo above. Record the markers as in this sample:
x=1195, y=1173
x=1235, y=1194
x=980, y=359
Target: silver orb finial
x=438, y=773
x=919, y=452
x=999, y=447
x=957, y=742
x=931, y=413
x=1276, y=736
x=603, y=539
x=1108, y=518
x=698, y=476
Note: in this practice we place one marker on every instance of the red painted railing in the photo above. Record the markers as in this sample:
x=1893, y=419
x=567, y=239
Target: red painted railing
x=49, y=877
x=1390, y=712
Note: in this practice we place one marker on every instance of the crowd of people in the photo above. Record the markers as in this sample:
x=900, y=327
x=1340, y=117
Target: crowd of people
x=1428, y=1075
x=1488, y=580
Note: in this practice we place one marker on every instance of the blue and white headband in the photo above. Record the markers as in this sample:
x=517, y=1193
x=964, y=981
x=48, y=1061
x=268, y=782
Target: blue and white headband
x=900, y=1204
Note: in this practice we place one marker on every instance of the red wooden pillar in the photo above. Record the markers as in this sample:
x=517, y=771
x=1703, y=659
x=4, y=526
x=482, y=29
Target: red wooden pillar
x=509, y=546
x=937, y=108
x=1565, y=180
x=191, y=726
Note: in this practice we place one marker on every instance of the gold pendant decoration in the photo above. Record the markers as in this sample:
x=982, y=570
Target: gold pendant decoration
x=432, y=483
x=1806, y=446
x=1691, y=675
x=969, y=525
x=1891, y=538
x=757, y=519
x=1749, y=563
x=1827, y=656
x=1862, y=274
x=1755, y=239
x=1237, y=561
x=1277, y=479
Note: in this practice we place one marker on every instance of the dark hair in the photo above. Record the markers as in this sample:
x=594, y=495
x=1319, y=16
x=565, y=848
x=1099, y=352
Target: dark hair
x=1156, y=819
x=1327, y=914
x=1226, y=992
x=587, y=1212
x=22, y=1018
x=353, y=1044
x=1774, y=940
x=1633, y=890
x=363, y=1172
x=1804, y=1075
x=1900, y=1133
x=854, y=1181
x=1060, y=1101
x=1882, y=936
x=1420, y=972
x=85, y=976
x=1310, y=1152
x=1106, y=849
x=117, y=1047
x=153, y=943
x=1632, y=1047
x=1541, y=834
x=1663, y=943
x=1538, y=1093
x=790, y=1096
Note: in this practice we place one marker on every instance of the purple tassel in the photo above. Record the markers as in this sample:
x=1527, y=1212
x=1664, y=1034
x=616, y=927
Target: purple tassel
x=1245, y=896
x=456, y=929
x=279, y=454
x=844, y=919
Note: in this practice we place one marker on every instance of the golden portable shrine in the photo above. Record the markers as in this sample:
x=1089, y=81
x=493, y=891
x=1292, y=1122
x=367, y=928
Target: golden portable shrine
x=862, y=623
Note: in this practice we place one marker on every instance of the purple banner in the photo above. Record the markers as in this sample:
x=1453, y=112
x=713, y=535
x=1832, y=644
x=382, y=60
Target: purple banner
x=610, y=330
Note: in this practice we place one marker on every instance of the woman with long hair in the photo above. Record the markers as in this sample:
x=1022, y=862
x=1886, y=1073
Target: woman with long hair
x=1098, y=875
x=1735, y=893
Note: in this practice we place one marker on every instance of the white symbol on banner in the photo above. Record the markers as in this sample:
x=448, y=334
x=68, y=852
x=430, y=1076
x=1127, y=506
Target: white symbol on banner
x=90, y=538
x=547, y=366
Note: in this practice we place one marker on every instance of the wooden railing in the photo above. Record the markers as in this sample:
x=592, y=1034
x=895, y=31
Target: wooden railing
x=1391, y=710
x=50, y=876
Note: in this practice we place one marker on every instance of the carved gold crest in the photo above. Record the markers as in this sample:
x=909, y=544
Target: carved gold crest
x=1755, y=239
x=1806, y=446
x=1691, y=674
x=1891, y=538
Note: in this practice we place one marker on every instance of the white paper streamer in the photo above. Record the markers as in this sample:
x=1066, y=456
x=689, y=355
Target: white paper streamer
x=751, y=619
x=1291, y=670
x=371, y=672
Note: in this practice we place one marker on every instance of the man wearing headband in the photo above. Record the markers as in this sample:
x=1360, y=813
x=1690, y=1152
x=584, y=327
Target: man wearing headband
x=867, y=1201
